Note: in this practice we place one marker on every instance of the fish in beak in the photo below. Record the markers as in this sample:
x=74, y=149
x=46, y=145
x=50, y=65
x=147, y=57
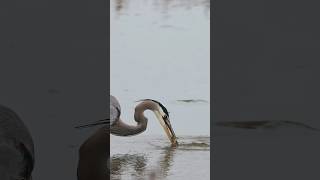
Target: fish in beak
x=169, y=131
x=162, y=115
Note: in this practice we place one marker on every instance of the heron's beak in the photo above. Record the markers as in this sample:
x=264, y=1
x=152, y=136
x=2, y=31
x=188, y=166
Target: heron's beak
x=96, y=123
x=170, y=133
x=165, y=123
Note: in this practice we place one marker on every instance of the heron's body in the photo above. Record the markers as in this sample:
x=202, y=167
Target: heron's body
x=115, y=109
x=94, y=151
x=16, y=147
x=93, y=156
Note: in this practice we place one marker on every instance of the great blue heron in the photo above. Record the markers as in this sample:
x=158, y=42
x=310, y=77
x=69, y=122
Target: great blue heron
x=16, y=147
x=93, y=159
x=120, y=128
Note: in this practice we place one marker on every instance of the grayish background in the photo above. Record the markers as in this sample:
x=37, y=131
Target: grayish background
x=266, y=67
x=53, y=73
x=266, y=61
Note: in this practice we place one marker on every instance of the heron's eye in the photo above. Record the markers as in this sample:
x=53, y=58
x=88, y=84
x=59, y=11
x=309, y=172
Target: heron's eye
x=165, y=117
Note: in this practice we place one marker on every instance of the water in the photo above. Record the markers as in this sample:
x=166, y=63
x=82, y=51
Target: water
x=154, y=158
x=161, y=50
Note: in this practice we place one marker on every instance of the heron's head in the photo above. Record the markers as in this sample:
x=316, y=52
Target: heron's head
x=162, y=115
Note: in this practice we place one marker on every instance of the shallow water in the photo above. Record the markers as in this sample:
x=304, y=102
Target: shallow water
x=161, y=50
x=152, y=157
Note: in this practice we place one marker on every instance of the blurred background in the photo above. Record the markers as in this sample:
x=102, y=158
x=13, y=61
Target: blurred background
x=53, y=75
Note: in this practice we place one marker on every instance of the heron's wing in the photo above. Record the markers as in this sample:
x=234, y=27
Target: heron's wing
x=115, y=109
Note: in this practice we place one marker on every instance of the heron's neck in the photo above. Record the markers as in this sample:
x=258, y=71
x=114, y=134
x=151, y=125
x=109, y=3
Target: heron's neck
x=120, y=128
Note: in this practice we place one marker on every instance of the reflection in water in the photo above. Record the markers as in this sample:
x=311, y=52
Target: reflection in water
x=165, y=5
x=119, y=5
x=192, y=101
x=136, y=165
x=165, y=163
x=147, y=158
x=122, y=163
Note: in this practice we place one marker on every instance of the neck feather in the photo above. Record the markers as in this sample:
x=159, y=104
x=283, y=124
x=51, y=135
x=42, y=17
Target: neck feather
x=120, y=128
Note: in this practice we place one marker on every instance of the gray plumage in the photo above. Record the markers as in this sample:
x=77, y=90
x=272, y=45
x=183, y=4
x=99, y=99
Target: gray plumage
x=115, y=109
x=93, y=153
x=120, y=128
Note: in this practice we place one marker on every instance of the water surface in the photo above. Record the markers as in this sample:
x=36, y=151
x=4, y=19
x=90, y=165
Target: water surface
x=152, y=157
x=161, y=50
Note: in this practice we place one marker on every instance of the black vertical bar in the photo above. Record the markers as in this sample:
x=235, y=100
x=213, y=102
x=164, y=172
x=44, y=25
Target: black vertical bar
x=54, y=73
